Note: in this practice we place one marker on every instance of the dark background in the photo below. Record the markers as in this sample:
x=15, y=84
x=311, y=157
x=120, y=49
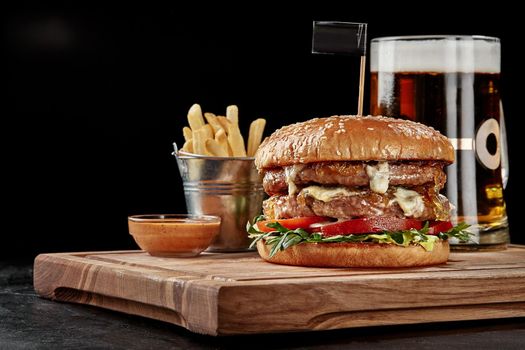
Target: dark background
x=95, y=96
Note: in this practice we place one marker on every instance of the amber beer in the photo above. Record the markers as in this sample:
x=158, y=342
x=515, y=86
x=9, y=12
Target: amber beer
x=453, y=84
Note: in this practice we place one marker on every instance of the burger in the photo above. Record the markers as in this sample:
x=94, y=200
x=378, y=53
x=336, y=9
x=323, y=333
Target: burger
x=354, y=191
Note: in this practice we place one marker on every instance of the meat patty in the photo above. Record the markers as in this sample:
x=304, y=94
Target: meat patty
x=353, y=174
x=363, y=204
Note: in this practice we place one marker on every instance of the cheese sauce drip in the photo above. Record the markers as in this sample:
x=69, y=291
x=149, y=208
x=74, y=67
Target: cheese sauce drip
x=410, y=202
x=290, y=173
x=378, y=175
x=327, y=194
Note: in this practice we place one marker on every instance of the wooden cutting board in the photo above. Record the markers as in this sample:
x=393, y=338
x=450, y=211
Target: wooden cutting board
x=238, y=293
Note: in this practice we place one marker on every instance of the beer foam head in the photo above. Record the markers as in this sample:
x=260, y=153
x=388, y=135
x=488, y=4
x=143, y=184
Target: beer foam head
x=436, y=54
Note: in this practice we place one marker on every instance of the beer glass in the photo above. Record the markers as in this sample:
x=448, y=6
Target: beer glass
x=452, y=84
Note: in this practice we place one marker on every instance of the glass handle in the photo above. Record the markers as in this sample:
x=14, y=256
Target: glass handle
x=504, y=148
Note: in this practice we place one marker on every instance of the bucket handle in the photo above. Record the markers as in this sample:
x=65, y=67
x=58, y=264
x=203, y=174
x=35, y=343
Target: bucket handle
x=182, y=165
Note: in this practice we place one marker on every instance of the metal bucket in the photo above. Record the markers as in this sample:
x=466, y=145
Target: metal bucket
x=227, y=187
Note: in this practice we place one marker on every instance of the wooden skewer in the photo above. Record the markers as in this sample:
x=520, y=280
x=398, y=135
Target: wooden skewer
x=361, y=86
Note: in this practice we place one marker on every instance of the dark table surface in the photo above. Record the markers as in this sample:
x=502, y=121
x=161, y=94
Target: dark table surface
x=29, y=322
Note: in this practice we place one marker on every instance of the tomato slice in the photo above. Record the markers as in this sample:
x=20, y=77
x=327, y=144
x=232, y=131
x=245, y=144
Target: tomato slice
x=303, y=222
x=355, y=226
x=369, y=225
x=439, y=226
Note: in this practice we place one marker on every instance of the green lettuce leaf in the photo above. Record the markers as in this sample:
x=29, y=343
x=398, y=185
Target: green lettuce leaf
x=283, y=238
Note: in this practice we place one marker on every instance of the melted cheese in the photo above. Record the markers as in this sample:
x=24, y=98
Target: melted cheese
x=290, y=172
x=327, y=194
x=378, y=176
x=410, y=202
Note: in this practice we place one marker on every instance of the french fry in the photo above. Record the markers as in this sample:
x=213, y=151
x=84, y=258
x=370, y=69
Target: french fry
x=236, y=141
x=215, y=148
x=195, y=118
x=188, y=146
x=222, y=140
x=221, y=135
x=208, y=131
x=212, y=120
x=232, y=113
x=199, y=141
x=200, y=136
x=224, y=122
x=255, y=135
x=186, y=131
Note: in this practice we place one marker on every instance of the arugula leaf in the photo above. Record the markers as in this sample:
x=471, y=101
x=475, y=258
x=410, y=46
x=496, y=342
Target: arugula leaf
x=283, y=238
x=277, y=226
x=258, y=238
x=259, y=218
x=398, y=237
x=459, y=231
x=293, y=240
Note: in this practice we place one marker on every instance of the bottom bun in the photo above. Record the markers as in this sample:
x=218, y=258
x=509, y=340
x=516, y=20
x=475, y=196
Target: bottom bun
x=356, y=255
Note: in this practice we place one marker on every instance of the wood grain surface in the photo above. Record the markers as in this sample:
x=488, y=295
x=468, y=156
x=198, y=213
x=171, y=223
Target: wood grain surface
x=238, y=293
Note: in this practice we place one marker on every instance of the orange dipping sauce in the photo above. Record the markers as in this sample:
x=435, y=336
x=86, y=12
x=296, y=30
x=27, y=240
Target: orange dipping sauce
x=174, y=235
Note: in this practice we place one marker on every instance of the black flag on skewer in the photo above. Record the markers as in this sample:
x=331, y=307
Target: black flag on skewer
x=343, y=38
x=346, y=38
